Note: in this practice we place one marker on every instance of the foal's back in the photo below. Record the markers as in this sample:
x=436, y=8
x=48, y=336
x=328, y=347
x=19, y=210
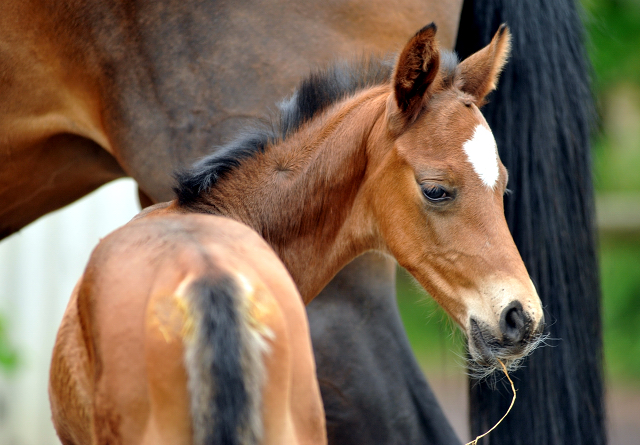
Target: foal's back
x=145, y=324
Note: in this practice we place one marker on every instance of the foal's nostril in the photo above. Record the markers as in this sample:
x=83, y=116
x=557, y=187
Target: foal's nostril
x=513, y=325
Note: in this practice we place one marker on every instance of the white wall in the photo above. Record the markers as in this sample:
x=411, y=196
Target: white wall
x=38, y=268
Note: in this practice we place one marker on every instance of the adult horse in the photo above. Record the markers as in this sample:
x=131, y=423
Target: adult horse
x=187, y=329
x=93, y=90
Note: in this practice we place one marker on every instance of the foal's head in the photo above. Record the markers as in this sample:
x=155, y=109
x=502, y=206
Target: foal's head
x=438, y=196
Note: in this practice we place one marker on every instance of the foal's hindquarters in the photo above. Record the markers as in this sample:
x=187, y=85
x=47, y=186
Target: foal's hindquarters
x=185, y=302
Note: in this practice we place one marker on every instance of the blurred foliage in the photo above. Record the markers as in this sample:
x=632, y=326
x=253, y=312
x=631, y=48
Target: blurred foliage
x=620, y=265
x=613, y=28
x=8, y=354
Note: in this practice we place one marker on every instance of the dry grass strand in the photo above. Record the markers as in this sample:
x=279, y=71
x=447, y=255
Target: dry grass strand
x=513, y=388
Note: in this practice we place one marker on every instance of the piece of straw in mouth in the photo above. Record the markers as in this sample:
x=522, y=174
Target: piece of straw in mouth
x=513, y=388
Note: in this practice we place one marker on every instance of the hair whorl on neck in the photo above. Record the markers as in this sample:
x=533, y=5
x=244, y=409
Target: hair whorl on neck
x=314, y=95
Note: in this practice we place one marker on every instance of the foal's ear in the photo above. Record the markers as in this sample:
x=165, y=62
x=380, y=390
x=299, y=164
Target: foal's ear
x=417, y=67
x=478, y=73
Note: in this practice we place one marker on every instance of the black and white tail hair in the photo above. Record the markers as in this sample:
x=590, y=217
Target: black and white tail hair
x=224, y=361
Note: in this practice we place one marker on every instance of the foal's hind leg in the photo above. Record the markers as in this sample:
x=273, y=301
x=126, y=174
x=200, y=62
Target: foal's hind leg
x=69, y=387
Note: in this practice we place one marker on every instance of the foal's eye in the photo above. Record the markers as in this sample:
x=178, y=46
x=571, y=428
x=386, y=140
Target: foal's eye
x=435, y=193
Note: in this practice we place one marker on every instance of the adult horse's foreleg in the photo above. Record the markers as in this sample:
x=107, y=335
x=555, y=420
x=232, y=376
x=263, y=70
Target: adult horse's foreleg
x=372, y=387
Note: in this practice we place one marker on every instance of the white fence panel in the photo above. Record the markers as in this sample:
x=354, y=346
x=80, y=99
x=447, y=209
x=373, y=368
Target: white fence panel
x=38, y=268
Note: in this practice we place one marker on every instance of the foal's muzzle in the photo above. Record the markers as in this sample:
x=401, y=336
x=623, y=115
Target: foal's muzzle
x=517, y=337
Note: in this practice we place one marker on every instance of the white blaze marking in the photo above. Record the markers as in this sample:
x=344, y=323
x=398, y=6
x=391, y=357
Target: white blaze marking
x=483, y=154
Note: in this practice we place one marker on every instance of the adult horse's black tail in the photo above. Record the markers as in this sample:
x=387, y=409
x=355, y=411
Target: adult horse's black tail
x=541, y=116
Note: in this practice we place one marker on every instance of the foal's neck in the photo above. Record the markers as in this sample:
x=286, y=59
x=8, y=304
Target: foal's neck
x=301, y=194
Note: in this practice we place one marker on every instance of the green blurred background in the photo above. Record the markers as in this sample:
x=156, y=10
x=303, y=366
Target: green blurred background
x=614, y=30
x=613, y=27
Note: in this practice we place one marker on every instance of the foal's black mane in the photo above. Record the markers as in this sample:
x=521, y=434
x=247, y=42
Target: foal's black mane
x=315, y=94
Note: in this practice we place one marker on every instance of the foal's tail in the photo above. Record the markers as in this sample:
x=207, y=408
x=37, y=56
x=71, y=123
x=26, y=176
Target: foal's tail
x=541, y=116
x=224, y=365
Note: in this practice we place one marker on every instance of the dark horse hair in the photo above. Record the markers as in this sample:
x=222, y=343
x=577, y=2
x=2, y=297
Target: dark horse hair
x=541, y=116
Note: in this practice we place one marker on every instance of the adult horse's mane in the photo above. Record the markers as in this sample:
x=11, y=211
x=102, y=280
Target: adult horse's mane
x=316, y=93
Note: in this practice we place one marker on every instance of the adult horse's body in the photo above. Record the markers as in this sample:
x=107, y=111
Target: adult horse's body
x=186, y=328
x=92, y=90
